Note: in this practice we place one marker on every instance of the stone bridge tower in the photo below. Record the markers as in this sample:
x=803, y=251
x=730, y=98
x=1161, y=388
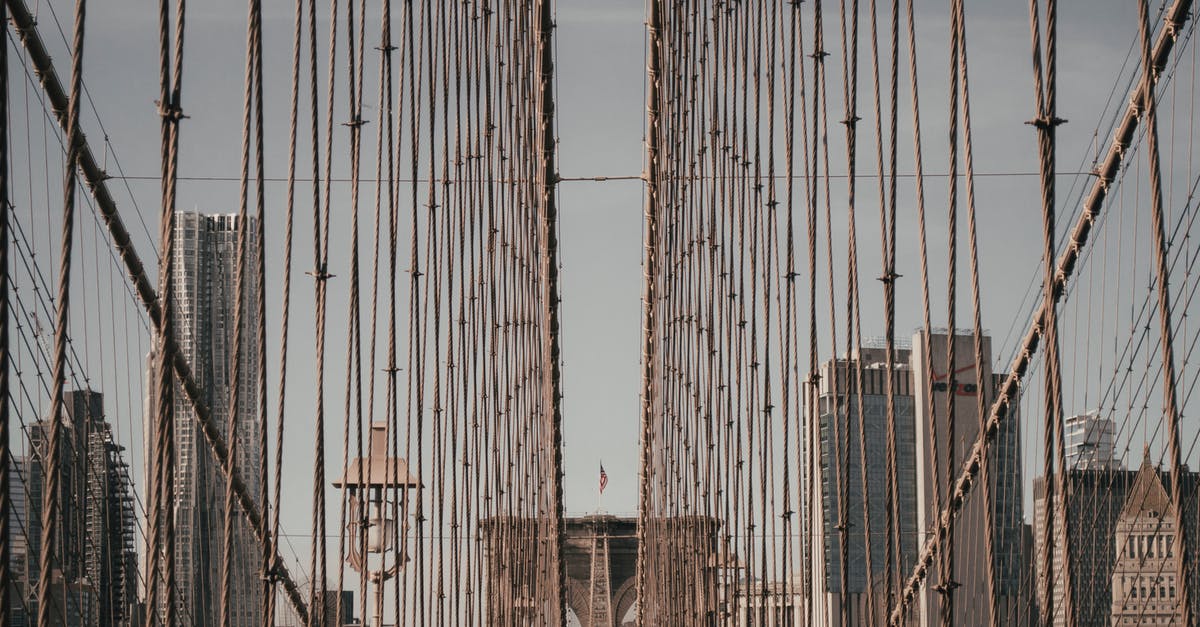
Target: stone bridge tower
x=507, y=557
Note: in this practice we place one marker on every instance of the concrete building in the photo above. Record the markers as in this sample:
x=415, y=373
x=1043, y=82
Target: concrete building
x=204, y=278
x=837, y=470
x=1088, y=439
x=956, y=386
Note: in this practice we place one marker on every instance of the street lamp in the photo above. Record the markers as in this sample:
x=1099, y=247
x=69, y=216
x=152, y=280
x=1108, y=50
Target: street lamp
x=377, y=487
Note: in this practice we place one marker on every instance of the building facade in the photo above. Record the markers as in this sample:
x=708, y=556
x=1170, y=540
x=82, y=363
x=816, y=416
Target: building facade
x=1145, y=590
x=17, y=597
x=1088, y=439
x=1111, y=515
x=95, y=575
x=837, y=471
x=204, y=279
x=954, y=389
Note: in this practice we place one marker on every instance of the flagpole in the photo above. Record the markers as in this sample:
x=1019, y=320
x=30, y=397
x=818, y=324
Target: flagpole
x=600, y=493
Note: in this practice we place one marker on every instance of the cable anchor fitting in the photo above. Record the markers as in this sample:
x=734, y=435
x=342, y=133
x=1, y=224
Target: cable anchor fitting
x=172, y=112
x=889, y=278
x=947, y=588
x=1045, y=122
x=320, y=275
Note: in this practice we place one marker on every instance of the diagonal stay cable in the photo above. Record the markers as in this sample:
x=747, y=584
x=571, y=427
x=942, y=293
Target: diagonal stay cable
x=1093, y=206
x=26, y=29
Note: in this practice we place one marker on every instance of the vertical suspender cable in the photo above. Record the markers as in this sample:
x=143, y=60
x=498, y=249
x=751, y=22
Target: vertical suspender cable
x=50, y=500
x=6, y=578
x=267, y=549
x=1170, y=398
x=162, y=473
x=551, y=373
x=236, y=393
x=25, y=26
x=649, y=297
x=270, y=567
x=1056, y=497
x=1106, y=173
x=981, y=384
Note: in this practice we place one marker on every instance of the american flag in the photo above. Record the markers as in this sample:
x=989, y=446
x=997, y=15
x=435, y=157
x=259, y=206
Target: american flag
x=603, y=479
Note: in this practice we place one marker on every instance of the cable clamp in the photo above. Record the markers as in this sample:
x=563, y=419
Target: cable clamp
x=889, y=278
x=1044, y=122
x=273, y=574
x=947, y=588
x=172, y=112
x=320, y=275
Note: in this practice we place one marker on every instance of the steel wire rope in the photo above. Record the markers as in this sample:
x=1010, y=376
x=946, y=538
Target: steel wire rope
x=270, y=558
x=321, y=276
x=898, y=612
x=353, y=380
x=1066, y=265
x=50, y=501
x=981, y=385
x=162, y=479
x=6, y=535
x=251, y=96
x=1164, y=305
x=146, y=293
x=853, y=309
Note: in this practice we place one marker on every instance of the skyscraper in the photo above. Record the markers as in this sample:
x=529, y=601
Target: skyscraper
x=204, y=278
x=1089, y=442
x=957, y=383
x=95, y=557
x=17, y=597
x=836, y=471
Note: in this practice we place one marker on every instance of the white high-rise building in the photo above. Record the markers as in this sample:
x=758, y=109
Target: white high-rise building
x=1089, y=442
x=204, y=279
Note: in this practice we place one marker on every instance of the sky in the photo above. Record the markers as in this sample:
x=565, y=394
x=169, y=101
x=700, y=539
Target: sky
x=601, y=113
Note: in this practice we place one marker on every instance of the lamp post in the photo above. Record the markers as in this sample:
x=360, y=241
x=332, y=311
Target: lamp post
x=377, y=487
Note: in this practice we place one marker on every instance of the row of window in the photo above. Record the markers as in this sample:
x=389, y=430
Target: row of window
x=1149, y=545
x=1158, y=588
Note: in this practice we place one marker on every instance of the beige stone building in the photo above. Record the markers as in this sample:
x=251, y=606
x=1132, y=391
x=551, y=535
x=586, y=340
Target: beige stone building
x=1145, y=590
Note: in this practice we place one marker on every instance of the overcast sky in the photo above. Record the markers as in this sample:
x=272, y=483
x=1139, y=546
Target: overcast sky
x=600, y=65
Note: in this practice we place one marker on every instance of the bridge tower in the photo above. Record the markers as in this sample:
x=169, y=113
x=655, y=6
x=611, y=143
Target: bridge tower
x=600, y=601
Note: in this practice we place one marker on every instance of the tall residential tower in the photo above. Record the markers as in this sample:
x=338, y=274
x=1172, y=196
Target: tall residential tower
x=204, y=279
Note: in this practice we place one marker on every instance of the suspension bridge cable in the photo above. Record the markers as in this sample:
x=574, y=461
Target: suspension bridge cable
x=53, y=473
